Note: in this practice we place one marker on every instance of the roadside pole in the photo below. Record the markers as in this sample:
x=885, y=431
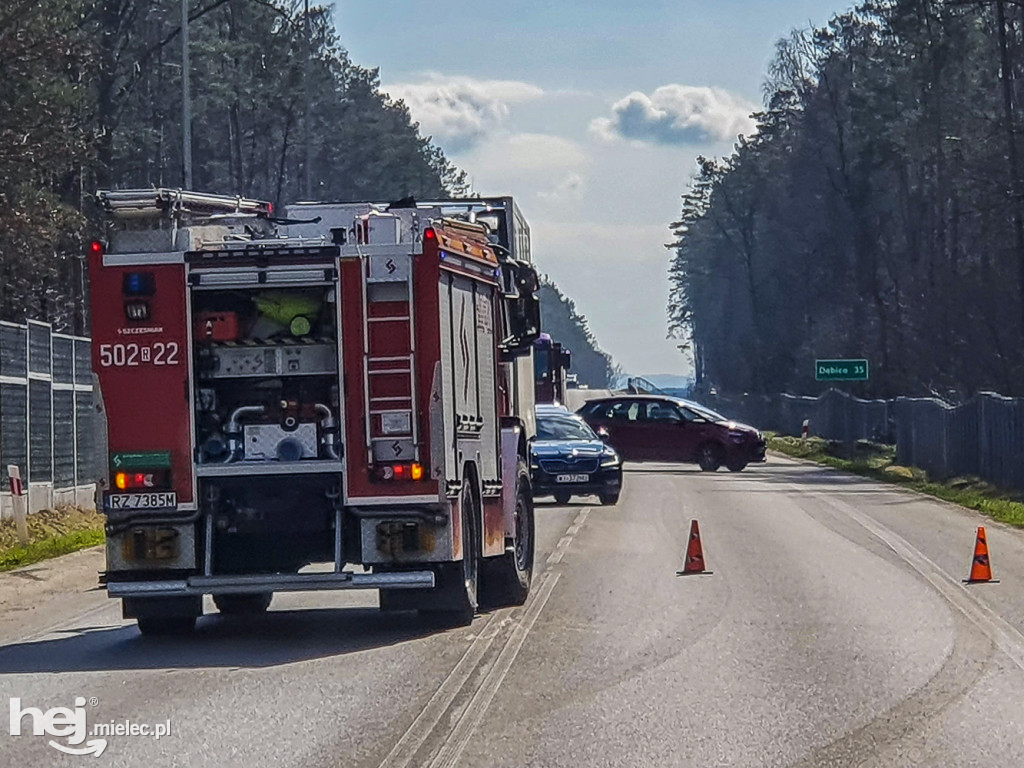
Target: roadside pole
x=19, y=503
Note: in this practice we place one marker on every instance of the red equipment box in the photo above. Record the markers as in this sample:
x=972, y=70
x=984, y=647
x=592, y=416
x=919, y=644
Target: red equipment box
x=217, y=326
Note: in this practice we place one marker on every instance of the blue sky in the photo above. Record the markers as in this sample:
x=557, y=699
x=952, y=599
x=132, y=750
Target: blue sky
x=592, y=115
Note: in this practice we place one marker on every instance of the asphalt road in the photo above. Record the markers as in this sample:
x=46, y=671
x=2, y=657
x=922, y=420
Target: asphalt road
x=833, y=631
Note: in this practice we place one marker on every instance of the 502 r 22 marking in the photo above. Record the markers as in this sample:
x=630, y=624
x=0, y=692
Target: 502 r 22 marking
x=133, y=355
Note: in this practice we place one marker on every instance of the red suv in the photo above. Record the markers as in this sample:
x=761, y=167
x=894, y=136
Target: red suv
x=657, y=428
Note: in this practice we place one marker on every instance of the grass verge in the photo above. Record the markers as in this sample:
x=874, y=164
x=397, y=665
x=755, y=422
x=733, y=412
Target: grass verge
x=51, y=533
x=878, y=462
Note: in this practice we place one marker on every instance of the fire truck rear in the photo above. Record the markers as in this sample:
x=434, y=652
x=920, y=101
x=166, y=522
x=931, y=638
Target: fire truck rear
x=552, y=363
x=338, y=400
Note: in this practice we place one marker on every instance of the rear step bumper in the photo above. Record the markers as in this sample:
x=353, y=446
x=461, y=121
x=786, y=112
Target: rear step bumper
x=240, y=585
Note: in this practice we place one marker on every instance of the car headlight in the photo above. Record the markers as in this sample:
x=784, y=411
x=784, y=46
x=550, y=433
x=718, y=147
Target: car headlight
x=609, y=459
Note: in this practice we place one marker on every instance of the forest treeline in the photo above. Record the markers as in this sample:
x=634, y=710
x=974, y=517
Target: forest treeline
x=91, y=95
x=878, y=212
x=560, y=318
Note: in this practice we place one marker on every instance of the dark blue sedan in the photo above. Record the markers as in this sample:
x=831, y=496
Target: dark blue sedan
x=568, y=459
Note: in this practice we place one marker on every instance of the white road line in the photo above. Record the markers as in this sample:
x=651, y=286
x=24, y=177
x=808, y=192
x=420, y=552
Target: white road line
x=449, y=755
x=404, y=751
x=1004, y=635
x=563, y=543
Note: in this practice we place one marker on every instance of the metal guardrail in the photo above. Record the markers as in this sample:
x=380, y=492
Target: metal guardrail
x=983, y=437
x=638, y=385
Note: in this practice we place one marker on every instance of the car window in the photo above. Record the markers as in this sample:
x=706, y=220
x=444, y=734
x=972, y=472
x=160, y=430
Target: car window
x=623, y=410
x=691, y=415
x=563, y=428
x=704, y=412
x=663, y=412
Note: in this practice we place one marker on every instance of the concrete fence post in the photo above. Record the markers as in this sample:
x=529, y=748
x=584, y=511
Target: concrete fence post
x=19, y=503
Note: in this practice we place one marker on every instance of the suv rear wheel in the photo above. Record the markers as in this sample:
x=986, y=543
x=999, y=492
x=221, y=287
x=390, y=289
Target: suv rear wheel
x=709, y=457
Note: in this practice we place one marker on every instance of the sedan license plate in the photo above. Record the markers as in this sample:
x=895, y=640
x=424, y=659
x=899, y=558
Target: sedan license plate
x=572, y=479
x=142, y=500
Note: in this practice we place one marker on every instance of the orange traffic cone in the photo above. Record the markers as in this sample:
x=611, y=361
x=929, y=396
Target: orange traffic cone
x=981, y=568
x=694, y=553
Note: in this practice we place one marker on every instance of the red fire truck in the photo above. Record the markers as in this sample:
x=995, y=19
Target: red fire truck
x=552, y=363
x=339, y=399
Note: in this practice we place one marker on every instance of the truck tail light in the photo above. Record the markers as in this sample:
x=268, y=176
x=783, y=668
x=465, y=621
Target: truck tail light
x=389, y=472
x=96, y=248
x=140, y=480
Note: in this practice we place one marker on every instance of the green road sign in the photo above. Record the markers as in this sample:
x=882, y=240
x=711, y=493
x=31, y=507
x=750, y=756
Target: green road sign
x=841, y=370
x=141, y=460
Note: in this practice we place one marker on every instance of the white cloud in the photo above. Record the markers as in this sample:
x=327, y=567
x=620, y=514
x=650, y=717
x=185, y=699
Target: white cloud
x=571, y=187
x=459, y=111
x=551, y=167
x=528, y=152
x=677, y=114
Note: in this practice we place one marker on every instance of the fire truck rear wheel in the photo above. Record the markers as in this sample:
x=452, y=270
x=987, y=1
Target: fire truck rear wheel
x=243, y=605
x=460, y=580
x=507, y=579
x=165, y=626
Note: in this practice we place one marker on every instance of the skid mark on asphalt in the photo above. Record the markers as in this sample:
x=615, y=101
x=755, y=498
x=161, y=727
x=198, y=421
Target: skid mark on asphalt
x=904, y=725
x=901, y=728
x=1004, y=635
x=450, y=718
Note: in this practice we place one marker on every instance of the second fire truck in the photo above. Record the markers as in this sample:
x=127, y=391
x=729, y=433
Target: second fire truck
x=340, y=399
x=552, y=363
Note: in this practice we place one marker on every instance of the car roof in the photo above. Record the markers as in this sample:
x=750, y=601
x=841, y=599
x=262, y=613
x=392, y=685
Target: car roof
x=670, y=398
x=550, y=409
x=613, y=398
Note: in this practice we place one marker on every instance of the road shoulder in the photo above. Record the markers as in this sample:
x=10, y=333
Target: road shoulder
x=33, y=595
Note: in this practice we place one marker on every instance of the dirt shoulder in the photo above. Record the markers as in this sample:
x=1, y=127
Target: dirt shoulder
x=52, y=532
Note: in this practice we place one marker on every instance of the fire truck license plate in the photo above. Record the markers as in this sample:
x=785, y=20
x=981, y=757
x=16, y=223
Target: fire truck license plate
x=142, y=500
x=572, y=479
